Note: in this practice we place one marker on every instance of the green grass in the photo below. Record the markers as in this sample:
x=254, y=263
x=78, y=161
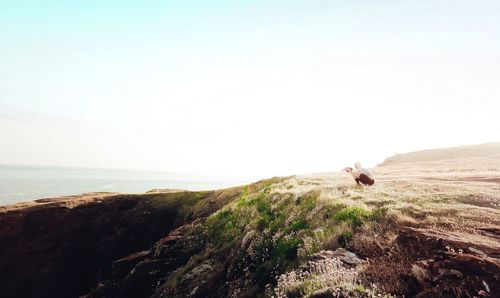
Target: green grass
x=320, y=218
x=286, y=249
x=378, y=214
x=275, y=257
x=277, y=247
x=347, y=235
x=307, y=202
x=223, y=227
x=354, y=214
x=297, y=225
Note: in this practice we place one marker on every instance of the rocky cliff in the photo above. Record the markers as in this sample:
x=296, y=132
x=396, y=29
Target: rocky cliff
x=63, y=247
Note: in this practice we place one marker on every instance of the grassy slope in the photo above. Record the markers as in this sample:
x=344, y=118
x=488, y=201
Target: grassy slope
x=429, y=227
x=415, y=223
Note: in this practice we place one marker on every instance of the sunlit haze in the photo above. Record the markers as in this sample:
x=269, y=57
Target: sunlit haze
x=247, y=89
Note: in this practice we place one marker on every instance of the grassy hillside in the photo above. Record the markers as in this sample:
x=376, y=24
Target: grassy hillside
x=426, y=229
x=321, y=235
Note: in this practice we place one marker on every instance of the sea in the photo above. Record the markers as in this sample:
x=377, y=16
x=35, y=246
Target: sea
x=20, y=183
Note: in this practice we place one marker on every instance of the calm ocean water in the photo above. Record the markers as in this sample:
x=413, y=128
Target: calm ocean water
x=25, y=183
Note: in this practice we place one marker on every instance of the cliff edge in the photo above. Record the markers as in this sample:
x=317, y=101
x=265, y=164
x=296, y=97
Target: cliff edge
x=425, y=229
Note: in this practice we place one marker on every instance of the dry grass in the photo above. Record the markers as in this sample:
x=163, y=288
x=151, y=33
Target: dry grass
x=272, y=230
x=458, y=200
x=459, y=195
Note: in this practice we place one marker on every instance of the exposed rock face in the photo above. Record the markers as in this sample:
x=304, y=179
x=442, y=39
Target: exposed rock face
x=446, y=265
x=433, y=240
x=137, y=275
x=432, y=269
x=53, y=250
x=421, y=262
x=56, y=251
x=123, y=266
x=349, y=259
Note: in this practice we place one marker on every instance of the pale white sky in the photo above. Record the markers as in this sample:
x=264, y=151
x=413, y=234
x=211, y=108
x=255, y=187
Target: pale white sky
x=246, y=90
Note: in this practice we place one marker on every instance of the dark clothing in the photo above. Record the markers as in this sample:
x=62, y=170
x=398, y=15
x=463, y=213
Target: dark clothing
x=365, y=180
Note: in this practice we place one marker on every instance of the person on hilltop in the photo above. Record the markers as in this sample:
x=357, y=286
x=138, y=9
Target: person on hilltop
x=360, y=174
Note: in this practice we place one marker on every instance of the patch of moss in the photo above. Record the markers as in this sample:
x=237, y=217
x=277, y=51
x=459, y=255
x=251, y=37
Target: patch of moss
x=355, y=214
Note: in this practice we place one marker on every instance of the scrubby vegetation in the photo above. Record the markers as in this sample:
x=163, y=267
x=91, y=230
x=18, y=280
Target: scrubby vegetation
x=271, y=235
x=325, y=277
x=269, y=231
x=432, y=233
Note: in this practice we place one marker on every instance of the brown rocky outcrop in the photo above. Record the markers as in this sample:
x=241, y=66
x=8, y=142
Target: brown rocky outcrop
x=63, y=248
x=446, y=265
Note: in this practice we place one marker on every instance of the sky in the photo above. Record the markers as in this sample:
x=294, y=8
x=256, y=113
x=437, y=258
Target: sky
x=247, y=89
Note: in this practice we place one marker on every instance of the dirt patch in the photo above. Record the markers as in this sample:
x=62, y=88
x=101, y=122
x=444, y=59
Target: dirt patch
x=428, y=263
